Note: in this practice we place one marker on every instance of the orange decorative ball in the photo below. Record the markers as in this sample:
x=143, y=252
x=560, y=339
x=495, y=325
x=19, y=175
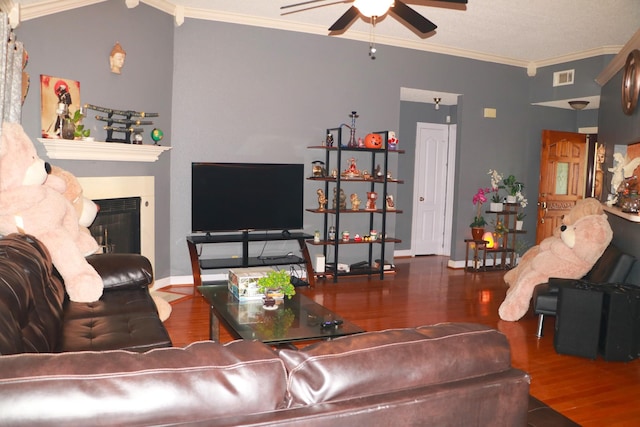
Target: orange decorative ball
x=373, y=140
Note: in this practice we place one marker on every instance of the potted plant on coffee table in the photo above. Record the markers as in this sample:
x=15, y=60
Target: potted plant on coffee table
x=275, y=285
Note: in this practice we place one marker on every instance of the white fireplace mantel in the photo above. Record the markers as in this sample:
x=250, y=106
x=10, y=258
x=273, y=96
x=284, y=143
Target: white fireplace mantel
x=97, y=150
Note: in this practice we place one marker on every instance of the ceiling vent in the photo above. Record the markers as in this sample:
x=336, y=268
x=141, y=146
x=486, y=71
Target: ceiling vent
x=563, y=78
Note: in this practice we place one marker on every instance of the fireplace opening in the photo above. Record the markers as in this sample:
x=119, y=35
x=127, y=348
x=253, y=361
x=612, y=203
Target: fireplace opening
x=117, y=225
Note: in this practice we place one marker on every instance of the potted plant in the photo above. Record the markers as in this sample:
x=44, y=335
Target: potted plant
x=514, y=188
x=478, y=223
x=496, y=200
x=520, y=220
x=79, y=131
x=276, y=284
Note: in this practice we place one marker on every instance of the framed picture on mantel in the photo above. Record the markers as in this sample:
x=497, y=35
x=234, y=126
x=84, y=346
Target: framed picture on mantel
x=57, y=96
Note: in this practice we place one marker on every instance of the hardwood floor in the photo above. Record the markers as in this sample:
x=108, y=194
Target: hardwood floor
x=424, y=291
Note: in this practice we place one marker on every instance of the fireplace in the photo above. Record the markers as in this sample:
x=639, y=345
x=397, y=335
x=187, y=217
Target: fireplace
x=117, y=225
x=124, y=187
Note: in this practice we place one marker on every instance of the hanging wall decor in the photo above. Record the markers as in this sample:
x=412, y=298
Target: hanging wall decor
x=116, y=58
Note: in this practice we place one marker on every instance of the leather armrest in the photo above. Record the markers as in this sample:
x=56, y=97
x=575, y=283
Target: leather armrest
x=122, y=270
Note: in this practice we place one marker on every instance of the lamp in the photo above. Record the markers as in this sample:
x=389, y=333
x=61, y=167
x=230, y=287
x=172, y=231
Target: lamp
x=488, y=237
x=437, y=101
x=371, y=8
x=578, y=105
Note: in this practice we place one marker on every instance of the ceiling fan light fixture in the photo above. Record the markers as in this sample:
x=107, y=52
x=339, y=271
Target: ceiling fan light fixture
x=578, y=105
x=371, y=8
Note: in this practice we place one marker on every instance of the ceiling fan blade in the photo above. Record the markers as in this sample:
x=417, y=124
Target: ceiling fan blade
x=300, y=4
x=412, y=17
x=345, y=20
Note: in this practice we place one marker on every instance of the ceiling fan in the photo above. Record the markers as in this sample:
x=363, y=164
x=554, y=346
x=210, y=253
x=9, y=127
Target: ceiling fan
x=375, y=9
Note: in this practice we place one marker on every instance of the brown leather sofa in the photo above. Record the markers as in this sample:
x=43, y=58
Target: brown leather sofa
x=448, y=374
x=442, y=375
x=36, y=316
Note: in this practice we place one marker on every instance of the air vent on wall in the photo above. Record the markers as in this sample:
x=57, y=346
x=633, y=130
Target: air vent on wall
x=563, y=78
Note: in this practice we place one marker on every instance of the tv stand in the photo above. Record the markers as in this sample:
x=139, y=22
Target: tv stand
x=245, y=238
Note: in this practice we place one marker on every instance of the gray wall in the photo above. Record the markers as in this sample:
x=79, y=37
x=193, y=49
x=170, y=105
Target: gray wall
x=255, y=94
x=617, y=128
x=230, y=92
x=76, y=45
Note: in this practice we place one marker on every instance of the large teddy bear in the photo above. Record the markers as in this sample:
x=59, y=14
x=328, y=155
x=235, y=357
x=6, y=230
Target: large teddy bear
x=29, y=206
x=582, y=208
x=68, y=185
x=569, y=256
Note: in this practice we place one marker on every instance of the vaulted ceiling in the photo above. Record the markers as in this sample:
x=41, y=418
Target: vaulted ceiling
x=529, y=33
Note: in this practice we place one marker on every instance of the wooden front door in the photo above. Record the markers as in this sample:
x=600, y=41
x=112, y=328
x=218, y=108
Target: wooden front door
x=563, y=167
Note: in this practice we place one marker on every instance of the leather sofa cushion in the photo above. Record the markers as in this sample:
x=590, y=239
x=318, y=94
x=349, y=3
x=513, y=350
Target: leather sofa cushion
x=380, y=362
x=122, y=270
x=202, y=381
x=31, y=297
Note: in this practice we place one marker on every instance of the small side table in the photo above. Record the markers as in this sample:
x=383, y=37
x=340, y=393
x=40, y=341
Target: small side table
x=478, y=246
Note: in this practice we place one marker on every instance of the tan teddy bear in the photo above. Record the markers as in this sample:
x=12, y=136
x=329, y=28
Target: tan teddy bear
x=569, y=256
x=68, y=185
x=28, y=206
x=582, y=208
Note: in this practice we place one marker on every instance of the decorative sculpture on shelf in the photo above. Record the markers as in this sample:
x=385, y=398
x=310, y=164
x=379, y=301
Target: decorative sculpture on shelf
x=392, y=142
x=352, y=135
x=343, y=200
x=391, y=205
x=329, y=140
x=355, y=202
x=128, y=121
x=352, y=170
x=322, y=199
x=317, y=169
x=372, y=196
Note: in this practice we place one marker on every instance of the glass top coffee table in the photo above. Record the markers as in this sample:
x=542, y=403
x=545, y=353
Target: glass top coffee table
x=295, y=319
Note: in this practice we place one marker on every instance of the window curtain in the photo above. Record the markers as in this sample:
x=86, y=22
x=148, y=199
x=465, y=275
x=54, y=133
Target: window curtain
x=11, y=53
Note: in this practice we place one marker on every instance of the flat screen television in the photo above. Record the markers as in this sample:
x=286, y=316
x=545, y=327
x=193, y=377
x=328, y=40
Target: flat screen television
x=246, y=196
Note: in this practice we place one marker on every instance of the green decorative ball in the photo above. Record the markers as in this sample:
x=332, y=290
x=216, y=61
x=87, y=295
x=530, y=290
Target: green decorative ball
x=156, y=134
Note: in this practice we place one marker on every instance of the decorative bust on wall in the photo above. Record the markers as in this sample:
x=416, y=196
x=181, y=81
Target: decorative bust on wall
x=116, y=58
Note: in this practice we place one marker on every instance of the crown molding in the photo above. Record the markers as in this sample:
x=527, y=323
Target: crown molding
x=49, y=7
x=618, y=62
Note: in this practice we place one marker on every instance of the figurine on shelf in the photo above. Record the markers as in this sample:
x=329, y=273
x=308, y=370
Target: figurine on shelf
x=343, y=200
x=377, y=173
x=366, y=175
x=372, y=196
x=317, y=168
x=391, y=205
x=352, y=170
x=322, y=199
x=355, y=202
x=329, y=140
x=392, y=143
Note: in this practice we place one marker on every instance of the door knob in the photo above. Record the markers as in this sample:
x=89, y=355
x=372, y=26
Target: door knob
x=421, y=199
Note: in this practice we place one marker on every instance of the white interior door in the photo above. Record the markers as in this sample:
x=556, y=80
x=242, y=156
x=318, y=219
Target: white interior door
x=433, y=178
